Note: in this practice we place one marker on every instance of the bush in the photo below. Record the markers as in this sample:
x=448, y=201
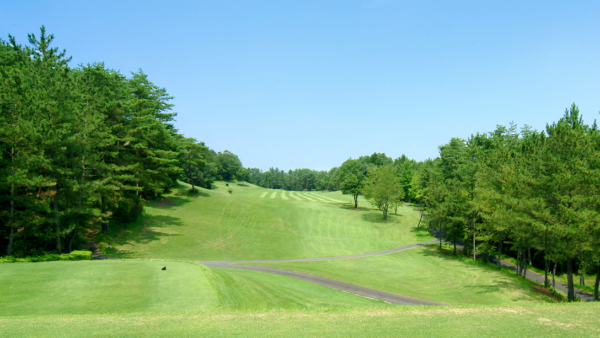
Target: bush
x=77, y=255
x=230, y=190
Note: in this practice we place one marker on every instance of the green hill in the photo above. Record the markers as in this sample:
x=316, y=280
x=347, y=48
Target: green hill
x=218, y=225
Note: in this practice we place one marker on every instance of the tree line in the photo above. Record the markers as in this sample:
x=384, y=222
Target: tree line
x=83, y=147
x=533, y=191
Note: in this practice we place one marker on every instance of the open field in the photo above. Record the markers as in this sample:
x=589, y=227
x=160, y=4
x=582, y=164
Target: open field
x=564, y=320
x=425, y=273
x=111, y=286
x=216, y=225
x=133, y=297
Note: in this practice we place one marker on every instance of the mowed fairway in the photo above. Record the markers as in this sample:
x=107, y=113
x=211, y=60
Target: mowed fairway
x=111, y=286
x=564, y=320
x=425, y=274
x=249, y=224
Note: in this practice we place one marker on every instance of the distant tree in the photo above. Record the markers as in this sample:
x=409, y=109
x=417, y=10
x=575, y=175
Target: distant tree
x=351, y=179
x=382, y=187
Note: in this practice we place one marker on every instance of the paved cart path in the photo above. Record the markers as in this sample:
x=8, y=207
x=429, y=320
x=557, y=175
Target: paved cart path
x=331, y=283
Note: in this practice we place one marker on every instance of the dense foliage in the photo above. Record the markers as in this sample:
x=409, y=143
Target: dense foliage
x=533, y=191
x=83, y=147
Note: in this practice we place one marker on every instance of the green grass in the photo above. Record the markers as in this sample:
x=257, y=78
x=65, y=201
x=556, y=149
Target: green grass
x=561, y=278
x=426, y=273
x=110, y=286
x=105, y=286
x=564, y=320
x=216, y=225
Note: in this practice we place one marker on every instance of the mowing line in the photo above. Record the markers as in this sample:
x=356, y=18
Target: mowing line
x=318, y=197
x=332, y=200
x=307, y=197
x=263, y=195
x=293, y=194
x=283, y=195
x=273, y=194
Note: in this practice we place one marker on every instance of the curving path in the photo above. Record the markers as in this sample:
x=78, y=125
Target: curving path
x=331, y=283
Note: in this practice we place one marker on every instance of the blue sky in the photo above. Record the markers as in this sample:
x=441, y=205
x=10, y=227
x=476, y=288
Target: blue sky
x=309, y=84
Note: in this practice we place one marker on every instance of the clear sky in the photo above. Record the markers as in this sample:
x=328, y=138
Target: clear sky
x=309, y=84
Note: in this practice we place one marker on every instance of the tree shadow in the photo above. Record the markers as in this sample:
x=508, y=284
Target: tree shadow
x=242, y=185
x=139, y=232
x=420, y=232
x=377, y=218
x=351, y=207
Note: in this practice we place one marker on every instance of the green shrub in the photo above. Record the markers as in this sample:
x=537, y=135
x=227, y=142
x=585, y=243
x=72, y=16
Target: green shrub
x=77, y=255
x=230, y=190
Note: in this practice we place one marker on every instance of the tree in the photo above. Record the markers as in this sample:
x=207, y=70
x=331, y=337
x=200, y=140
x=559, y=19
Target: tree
x=382, y=187
x=351, y=179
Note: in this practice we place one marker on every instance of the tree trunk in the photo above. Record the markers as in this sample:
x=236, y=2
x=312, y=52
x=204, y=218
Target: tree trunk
x=355, y=201
x=72, y=238
x=596, y=295
x=582, y=275
x=10, y=241
x=104, y=215
x=519, y=260
x=10, y=223
x=384, y=213
x=454, y=240
x=554, y=280
x=420, y=218
x=546, y=268
x=529, y=255
x=499, y=253
x=57, y=219
x=440, y=234
x=525, y=263
x=571, y=293
x=474, y=247
x=12, y=207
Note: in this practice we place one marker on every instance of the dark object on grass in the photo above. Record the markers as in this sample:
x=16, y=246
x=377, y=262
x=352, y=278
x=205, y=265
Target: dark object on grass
x=227, y=184
x=164, y=268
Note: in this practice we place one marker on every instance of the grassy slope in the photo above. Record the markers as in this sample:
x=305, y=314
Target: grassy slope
x=565, y=320
x=425, y=273
x=98, y=287
x=216, y=225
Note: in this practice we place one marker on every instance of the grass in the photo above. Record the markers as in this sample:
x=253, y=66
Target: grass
x=564, y=320
x=135, y=298
x=112, y=286
x=561, y=278
x=216, y=225
x=427, y=273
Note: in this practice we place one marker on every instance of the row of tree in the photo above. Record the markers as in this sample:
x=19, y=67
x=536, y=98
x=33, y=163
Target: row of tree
x=533, y=191
x=81, y=147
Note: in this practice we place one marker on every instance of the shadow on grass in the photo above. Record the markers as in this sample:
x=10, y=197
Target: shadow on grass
x=420, y=232
x=446, y=253
x=351, y=207
x=242, y=185
x=138, y=232
x=378, y=218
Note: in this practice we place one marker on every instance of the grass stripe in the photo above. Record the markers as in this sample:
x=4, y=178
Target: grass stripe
x=318, y=198
x=263, y=195
x=273, y=194
x=307, y=197
x=293, y=194
x=283, y=195
x=332, y=199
